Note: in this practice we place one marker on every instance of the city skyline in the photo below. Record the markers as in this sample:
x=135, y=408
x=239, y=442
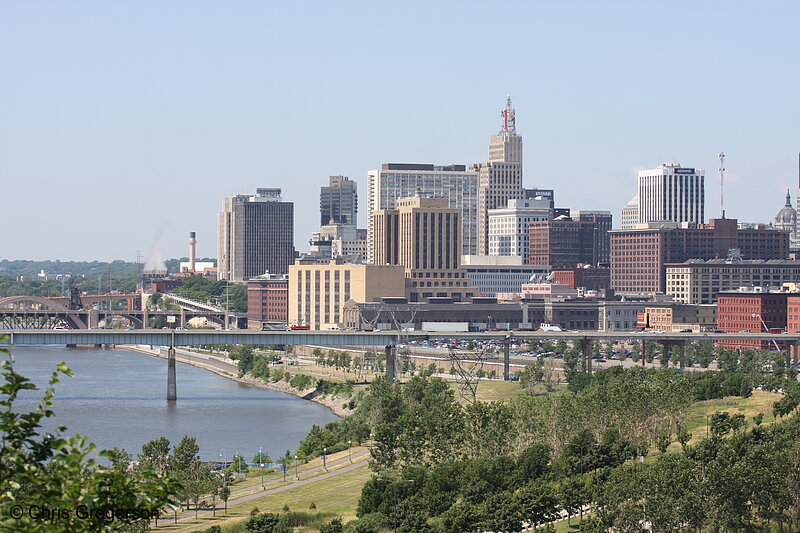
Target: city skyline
x=126, y=128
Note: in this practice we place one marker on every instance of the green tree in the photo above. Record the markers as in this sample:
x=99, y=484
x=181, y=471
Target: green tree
x=50, y=471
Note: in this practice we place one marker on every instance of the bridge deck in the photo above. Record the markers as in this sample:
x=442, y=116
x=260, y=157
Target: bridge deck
x=345, y=338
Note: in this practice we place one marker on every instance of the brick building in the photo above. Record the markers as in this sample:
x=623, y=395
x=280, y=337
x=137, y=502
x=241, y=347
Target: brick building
x=591, y=278
x=561, y=243
x=267, y=300
x=751, y=311
x=639, y=255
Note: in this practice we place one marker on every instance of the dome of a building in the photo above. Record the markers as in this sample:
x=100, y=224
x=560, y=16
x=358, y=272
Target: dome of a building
x=788, y=214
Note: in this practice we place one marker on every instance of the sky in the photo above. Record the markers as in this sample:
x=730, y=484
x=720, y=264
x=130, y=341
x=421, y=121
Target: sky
x=123, y=125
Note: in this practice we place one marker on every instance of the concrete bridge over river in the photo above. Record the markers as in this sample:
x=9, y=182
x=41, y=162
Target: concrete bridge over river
x=387, y=340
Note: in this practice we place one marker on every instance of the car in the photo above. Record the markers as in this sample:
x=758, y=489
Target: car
x=685, y=331
x=746, y=331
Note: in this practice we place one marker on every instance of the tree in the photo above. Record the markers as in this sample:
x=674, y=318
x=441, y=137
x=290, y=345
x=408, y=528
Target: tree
x=239, y=463
x=334, y=526
x=48, y=471
x=261, y=458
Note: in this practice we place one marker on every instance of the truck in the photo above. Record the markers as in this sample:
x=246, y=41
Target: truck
x=445, y=326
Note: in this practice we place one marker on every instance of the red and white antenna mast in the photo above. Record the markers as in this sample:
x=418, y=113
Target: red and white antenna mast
x=509, y=119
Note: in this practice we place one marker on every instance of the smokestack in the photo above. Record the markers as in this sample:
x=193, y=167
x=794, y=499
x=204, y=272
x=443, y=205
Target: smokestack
x=192, y=251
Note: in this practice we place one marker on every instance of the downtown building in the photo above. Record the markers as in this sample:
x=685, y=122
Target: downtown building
x=267, y=301
x=455, y=183
x=508, y=226
x=500, y=176
x=639, y=256
x=699, y=282
x=671, y=193
x=424, y=236
x=338, y=202
x=318, y=290
x=255, y=234
x=603, y=223
x=562, y=243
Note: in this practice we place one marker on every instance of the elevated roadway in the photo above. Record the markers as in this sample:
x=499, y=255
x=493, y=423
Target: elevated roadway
x=387, y=339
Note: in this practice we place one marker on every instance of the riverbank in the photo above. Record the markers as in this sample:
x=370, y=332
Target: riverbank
x=228, y=369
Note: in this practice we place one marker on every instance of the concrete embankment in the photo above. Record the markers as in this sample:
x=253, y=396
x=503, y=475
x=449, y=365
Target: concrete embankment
x=228, y=368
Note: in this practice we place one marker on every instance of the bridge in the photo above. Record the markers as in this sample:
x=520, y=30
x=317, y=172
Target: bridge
x=36, y=312
x=386, y=339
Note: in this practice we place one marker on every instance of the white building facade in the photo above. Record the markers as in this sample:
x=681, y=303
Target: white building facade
x=496, y=274
x=671, y=193
x=508, y=227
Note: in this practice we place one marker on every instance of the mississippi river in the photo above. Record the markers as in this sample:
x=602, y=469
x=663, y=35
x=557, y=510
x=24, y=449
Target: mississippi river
x=118, y=398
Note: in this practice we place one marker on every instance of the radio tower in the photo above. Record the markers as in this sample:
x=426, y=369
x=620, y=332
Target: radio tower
x=722, y=183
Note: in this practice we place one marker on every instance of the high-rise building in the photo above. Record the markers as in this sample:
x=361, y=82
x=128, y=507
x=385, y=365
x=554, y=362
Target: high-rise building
x=561, y=243
x=639, y=255
x=500, y=176
x=508, y=226
x=423, y=235
x=455, y=183
x=255, y=233
x=338, y=202
x=671, y=193
x=603, y=223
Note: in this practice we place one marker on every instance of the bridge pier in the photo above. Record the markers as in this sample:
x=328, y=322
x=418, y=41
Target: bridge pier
x=172, y=392
x=507, y=358
x=586, y=349
x=391, y=363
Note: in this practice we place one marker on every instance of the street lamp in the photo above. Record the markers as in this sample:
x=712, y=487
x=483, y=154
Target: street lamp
x=582, y=447
x=261, y=464
x=392, y=481
x=224, y=453
x=350, y=450
x=325, y=458
x=296, y=474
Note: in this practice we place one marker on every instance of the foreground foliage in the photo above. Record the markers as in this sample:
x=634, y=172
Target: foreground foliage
x=51, y=483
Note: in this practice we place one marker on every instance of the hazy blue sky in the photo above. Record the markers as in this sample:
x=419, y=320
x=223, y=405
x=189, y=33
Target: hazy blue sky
x=123, y=124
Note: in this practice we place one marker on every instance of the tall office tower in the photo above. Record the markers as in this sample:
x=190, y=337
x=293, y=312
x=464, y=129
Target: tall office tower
x=671, y=193
x=255, y=233
x=508, y=227
x=501, y=176
x=338, y=202
x=603, y=223
x=424, y=235
x=399, y=180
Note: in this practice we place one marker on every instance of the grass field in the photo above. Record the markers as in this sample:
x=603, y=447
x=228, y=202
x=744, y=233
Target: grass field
x=337, y=495
x=760, y=402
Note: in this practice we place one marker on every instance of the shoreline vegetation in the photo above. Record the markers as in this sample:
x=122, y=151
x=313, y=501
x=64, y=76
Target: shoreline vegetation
x=331, y=401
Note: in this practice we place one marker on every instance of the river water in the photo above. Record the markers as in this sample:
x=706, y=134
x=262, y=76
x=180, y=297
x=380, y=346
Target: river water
x=118, y=398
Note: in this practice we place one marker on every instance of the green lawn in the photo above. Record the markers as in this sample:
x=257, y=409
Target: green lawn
x=759, y=402
x=337, y=495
